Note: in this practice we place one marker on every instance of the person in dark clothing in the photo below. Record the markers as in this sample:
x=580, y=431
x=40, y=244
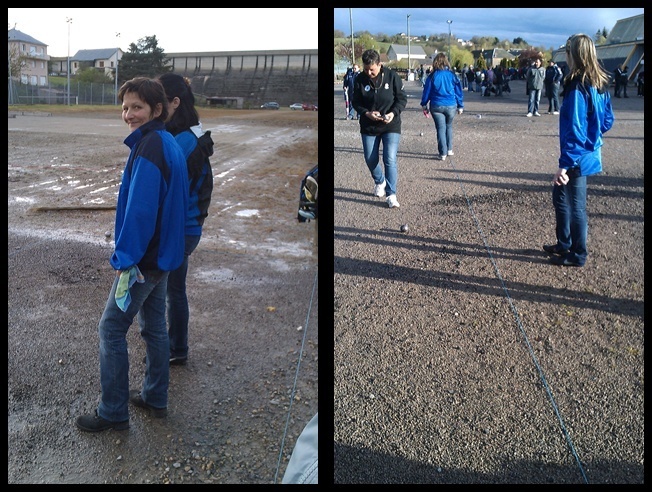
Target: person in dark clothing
x=379, y=98
x=617, y=80
x=552, y=83
x=197, y=145
x=470, y=77
x=624, y=79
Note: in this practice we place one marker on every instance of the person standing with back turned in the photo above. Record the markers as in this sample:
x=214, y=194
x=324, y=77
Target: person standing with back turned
x=585, y=115
x=149, y=243
x=444, y=93
x=379, y=98
x=197, y=145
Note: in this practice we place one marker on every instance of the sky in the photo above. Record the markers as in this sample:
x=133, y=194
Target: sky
x=537, y=26
x=177, y=30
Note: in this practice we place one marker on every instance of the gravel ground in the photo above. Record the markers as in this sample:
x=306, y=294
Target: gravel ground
x=461, y=354
x=250, y=385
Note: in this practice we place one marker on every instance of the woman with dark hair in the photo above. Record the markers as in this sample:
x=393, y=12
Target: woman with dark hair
x=197, y=145
x=149, y=225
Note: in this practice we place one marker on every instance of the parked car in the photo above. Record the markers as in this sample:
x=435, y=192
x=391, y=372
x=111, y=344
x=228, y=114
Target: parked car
x=296, y=106
x=271, y=105
x=309, y=107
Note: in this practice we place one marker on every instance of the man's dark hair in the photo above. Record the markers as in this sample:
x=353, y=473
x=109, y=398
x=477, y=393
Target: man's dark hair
x=370, y=57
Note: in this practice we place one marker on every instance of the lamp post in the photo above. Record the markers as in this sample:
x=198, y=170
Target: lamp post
x=69, y=21
x=352, y=47
x=117, y=57
x=408, y=36
x=449, y=40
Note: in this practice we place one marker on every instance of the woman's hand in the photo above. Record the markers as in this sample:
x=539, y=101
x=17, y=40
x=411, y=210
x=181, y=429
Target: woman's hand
x=560, y=178
x=389, y=117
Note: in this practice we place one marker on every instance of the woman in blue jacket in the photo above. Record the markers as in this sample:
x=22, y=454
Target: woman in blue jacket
x=149, y=243
x=443, y=91
x=585, y=114
x=197, y=145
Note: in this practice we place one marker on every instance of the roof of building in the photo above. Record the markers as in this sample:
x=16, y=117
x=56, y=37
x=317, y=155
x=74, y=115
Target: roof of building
x=92, y=55
x=627, y=30
x=16, y=35
x=402, y=49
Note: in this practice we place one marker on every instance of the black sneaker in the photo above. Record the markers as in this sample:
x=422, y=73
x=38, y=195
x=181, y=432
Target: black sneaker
x=178, y=361
x=94, y=423
x=136, y=399
x=554, y=249
x=564, y=261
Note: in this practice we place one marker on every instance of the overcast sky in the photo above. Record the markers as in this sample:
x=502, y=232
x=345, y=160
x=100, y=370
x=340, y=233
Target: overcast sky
x=537, y=26
x=177, y=30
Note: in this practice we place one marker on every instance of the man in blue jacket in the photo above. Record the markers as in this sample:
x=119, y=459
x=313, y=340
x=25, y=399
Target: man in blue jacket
x=149, y=243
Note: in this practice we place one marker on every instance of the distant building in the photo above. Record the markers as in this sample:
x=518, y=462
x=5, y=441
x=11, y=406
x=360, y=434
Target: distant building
x=493, y=56
x=398, y=52
x=34, y=56
x=101, y=59
x=625, y=45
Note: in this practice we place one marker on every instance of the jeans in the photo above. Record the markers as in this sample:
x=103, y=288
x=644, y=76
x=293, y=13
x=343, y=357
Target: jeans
x=177, y=303
x=552, y=91
x=371, y=149
x=148, y=300
x=443, y=117
x=533, y=101
x=572, y=227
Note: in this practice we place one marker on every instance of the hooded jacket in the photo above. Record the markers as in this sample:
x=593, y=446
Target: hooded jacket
x=584, y=116
x=152, y=202
x=388, y=97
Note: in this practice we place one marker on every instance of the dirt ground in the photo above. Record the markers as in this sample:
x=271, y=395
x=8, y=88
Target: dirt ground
x=461, y=355
x=250, y=386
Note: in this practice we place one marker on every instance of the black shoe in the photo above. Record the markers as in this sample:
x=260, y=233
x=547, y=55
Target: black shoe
x=174, y=361
x=554, y=249
x=95, y=423
x=564, y=261
x=626, y=97
x=136, y=399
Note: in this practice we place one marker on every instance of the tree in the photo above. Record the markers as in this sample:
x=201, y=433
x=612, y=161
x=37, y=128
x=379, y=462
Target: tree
x=144, y=59
x=93, y=75
x=528, y=56
x=16, y=62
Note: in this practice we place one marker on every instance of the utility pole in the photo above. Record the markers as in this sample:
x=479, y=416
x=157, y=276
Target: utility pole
x=69, y=21
x=117, y=57
x=352, y=47
x=449, y=40
x=408, y=36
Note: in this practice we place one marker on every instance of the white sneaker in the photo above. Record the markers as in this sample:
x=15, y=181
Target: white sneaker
x=379, y=189
x=529, y=115
x=555, y=112
x=450, y=152
x=392, y=202
x=537, y=114
x=442, y=157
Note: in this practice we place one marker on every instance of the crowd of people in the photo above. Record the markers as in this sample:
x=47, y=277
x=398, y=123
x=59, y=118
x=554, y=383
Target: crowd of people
x=584, y=116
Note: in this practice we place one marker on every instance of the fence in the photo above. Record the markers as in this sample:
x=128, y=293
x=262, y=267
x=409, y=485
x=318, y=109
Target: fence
x=80, y=93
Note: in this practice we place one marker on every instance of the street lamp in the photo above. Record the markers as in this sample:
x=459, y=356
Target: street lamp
x=449, y=40
x=117, y=56
x=69, y=21
x=408, y=35
x=352, y=46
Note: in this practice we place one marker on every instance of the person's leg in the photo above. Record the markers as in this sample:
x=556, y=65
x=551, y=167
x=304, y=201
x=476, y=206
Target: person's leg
x=390, y=159
x=370, y=148
x=178, y=312
x=578, y=219
x=114, y=359
x=153, y=329
x=440, y=127
x=530, y=101
x=555, y=97
x=537, y=98
x=449, y=113
x=562, y=216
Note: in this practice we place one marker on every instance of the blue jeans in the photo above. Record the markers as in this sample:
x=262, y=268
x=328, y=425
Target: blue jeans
x=572, y=227
x=371, y=149
x=443, y=117
x=148, y=301
x=553, y=96
x=177, y=303
x=533, y=101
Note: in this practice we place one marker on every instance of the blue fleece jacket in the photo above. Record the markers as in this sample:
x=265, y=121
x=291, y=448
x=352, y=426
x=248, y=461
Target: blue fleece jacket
x=152, y=202
x=585, y=114
x=442, y=88
x=197, y=147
